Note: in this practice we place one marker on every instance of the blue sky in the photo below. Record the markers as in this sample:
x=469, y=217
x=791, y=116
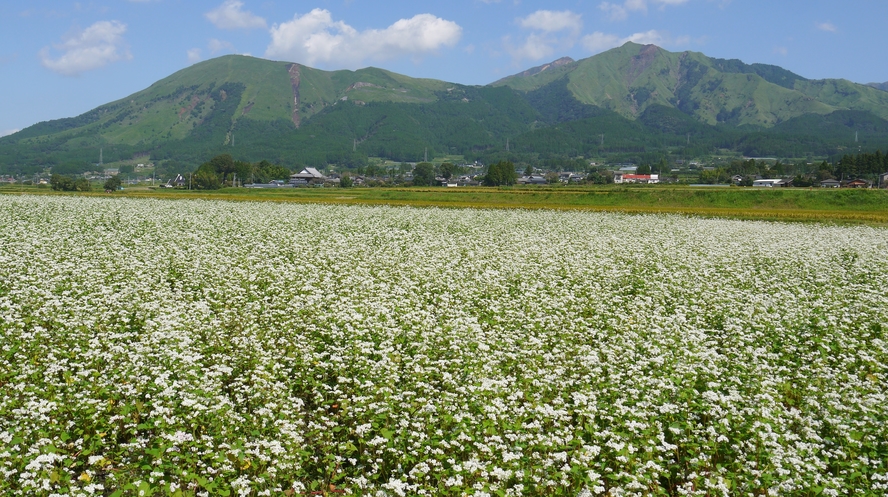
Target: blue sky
x=60, y=59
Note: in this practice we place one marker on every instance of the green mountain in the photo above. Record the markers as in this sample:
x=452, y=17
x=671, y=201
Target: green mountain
x=634, y=99
x=631, y=78
x=206, y=106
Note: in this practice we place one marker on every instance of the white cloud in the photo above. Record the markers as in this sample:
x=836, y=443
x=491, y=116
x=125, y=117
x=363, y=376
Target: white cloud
x=535, y=47
x=217, y=46
x=827, y=26
x=781, y=51
x=552, y=30
x=552, y=21
x=315, y=37
x=8, y=132
x=194, y=55
x=619, y=12
x=652, y=37
x=94, y=47
x=599, y=42
x=230, y=16
x=214, y=46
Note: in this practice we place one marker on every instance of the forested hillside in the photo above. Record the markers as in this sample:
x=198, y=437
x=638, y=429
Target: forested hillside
x=632, y=101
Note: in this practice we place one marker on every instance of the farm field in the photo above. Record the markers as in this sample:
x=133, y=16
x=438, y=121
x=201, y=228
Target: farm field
x=793, y=204
x=842, y=206
x=169, y=346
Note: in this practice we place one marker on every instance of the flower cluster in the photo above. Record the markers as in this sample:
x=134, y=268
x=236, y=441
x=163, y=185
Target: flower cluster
x=204, y=348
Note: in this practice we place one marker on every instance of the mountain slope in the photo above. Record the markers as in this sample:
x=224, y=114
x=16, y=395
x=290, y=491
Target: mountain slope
x=209, y=105
x=279, y=111
x=633, y=77
x=630, y=100
x=546, y=72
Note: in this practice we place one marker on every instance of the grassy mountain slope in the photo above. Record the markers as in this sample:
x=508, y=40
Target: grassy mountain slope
x=211, y=105
x=642, y=99
x=545, y=73
x=631, y=78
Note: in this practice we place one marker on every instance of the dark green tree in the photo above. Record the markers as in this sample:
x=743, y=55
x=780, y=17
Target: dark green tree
x=500, y=174
x=82, y=185
x=266, y=171
x=61, y=183
x=242, y=171
x=205, y=179
x=600, y=177
x=447, y=170
x=346, y=181
x=112, y=184
x=424, y=174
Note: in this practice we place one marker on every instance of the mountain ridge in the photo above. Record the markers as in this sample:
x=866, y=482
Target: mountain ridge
x=629, y=78
x=294, y=114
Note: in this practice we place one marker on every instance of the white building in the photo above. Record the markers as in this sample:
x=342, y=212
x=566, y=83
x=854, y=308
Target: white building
x=768, y=183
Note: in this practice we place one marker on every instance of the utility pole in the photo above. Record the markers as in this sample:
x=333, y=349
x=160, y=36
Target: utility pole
x=602, y=139
x=507, y=144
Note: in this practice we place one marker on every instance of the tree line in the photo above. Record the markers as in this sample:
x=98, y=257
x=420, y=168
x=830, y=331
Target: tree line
x=223, y=170
x=858, y=166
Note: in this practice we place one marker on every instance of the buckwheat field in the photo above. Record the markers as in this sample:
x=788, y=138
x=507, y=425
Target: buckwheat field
x=152, y=347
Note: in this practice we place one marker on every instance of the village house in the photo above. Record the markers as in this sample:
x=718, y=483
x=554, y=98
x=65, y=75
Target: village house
x=772, y=183
x=308, y=176
x=858, y=183
x=533, y=179
x=570, y=177
x=466, y=180
x=830, y=183
x=636, y=178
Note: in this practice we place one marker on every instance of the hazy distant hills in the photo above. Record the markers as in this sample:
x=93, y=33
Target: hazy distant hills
x=881, y=86
x=630, y=100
